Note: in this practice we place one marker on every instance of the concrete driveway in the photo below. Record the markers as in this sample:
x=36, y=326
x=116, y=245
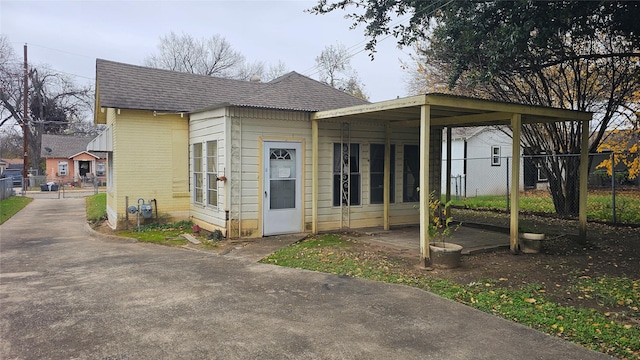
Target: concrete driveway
x=66, y=294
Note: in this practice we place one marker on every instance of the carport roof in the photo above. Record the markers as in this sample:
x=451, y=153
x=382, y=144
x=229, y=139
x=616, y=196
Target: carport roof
x=450, y=110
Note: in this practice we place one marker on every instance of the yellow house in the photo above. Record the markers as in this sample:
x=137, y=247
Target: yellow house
x=168, y=136
x=291, y=155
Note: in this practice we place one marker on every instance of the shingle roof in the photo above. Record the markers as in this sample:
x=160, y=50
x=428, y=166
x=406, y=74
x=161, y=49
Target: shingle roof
x=298, y=92
x=128, y=86
x=65, y=146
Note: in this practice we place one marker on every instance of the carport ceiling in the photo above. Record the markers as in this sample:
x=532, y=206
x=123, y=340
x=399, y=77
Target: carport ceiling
x=450, y=110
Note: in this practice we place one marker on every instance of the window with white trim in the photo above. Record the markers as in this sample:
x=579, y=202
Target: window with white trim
x=495, y=155
x=100, y=168
x=198, y=175
x=212, y=172
x=542, y=173
x=63, y=168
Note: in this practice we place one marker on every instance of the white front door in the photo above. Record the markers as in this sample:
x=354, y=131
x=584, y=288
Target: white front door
x=282, y=198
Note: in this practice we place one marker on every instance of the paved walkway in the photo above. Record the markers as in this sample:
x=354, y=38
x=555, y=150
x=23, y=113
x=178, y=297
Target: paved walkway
x=65, y=293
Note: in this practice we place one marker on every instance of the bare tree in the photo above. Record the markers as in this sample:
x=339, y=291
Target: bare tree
x=10, y=142
x=11, y=85
x=54, y=99
x=335, y=70
x=275, y=70
x=212, y=56
x=246, y=71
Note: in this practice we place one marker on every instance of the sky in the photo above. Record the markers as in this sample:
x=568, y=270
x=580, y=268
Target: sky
x=68, y=36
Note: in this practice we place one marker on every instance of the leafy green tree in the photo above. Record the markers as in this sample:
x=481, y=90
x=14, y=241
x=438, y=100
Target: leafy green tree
x=580, y=55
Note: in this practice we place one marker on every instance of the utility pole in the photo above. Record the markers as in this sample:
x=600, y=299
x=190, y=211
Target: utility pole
x=25, y=123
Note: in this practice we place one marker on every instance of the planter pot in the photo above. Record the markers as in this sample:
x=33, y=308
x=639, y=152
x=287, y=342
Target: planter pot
x=531, y=243
x=445, y=256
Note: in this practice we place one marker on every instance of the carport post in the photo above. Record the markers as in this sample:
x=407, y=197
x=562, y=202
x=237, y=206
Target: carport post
x=516, y=128
x=448, y=167
x=314, y=176
x=584, y=174
x=387, y=174
x=425, y=134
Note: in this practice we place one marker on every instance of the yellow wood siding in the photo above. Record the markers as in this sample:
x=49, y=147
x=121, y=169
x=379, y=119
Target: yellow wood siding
x=150, y=155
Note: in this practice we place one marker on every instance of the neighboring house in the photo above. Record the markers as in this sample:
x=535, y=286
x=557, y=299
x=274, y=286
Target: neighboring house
x=13, y=163
x=13, y=168
x=481, y=161
x=291, y=155
x=481, y=157
x=68, y=161
x=3, y=165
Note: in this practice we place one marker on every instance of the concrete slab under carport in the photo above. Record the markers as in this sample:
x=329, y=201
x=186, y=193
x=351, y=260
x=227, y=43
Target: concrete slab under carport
x=472, y=238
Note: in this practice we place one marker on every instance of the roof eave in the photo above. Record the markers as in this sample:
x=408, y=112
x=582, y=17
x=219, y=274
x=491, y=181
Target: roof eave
x=463, y=111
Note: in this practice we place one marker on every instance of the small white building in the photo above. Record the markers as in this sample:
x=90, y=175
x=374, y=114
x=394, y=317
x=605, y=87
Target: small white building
x=481, y=162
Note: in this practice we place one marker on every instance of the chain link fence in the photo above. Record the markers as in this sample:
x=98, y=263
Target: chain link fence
x=38, y=186
x=548, y=183
x=6, y=188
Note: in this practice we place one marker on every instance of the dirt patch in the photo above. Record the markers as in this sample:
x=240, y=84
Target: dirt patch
x=254, y=249
x=612, y=251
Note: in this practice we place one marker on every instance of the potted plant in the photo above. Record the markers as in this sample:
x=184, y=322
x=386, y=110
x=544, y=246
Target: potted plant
x=444, y=254
x=530, y=242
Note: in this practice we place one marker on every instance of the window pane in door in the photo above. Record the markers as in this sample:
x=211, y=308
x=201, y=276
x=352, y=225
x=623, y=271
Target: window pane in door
x=283, y=194
x=282, y=179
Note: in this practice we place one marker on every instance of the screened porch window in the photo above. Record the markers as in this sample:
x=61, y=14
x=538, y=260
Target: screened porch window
x=411, y=173
x=376, y=173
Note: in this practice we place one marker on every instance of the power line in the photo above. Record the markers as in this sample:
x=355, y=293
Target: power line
x=60, y=51
x=314, y=70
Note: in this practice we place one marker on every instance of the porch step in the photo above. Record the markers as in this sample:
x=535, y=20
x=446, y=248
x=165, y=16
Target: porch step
x=191, y=239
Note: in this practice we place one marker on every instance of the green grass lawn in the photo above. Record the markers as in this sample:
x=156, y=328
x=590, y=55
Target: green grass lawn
x=11, y=206
x=165, y=234
x=96, y=207
x=599, y=204
x=527, y=304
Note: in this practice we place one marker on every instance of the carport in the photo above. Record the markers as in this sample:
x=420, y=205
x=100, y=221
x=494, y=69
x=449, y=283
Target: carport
x=433, y=112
